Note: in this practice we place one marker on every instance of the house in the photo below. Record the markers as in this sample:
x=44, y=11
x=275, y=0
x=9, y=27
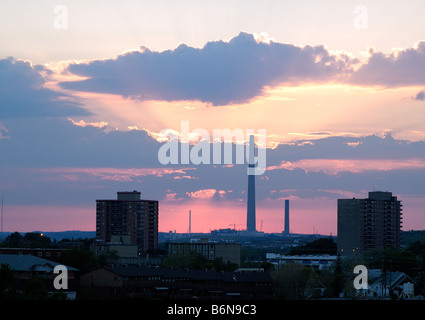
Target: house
x=27, y=267
x=390, y=285
x=228, y=252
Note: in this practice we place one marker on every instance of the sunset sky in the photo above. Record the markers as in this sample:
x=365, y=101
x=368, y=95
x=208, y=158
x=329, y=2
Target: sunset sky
x=86, y=87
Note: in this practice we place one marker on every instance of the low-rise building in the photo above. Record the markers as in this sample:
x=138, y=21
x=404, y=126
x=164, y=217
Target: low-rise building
x=53, y=254
x=27, y=267
x=120, y=244
x=315, y=261
x=390, y=285
x=140, y=282
x=228, y=252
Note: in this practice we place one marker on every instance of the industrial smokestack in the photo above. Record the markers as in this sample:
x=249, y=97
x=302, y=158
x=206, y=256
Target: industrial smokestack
x=190, y=221
x=286, y=230
x=250, y=217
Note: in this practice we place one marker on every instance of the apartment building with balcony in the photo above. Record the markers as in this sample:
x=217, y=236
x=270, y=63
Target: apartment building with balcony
x=128, y=216
x=364, y=224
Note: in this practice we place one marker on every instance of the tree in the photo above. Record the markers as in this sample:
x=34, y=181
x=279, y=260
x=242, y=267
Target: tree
x=319, y=246
x=34, y=289
x=336, y=280
x=29, y=240
x=80, y=258
x=36, y=240
x=391, y=259
x=14, y=240
x=420, y=284
x=7, y=277
x=418, y=249
x=291, y=281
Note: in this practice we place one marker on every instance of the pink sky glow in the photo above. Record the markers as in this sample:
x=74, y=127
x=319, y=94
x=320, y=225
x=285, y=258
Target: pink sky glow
x=306, y=216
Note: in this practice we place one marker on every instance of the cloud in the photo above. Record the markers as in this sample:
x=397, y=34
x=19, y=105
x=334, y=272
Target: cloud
x=398, y=68
x=23, y=93
x=335, y=166
x=420, y=96
x=240, y=70
x=371, y=147
x=202, y=194
x=59, y=142
x=113, y=174
x=220, y=73
x=54, y=160
x=82, y=123
x=207, y=194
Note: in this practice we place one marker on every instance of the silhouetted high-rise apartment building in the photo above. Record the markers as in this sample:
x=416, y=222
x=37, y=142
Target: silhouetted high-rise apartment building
x=364, y=224
x=128, y=215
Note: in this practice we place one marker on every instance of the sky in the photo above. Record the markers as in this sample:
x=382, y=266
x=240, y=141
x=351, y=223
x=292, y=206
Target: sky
x=90, y=91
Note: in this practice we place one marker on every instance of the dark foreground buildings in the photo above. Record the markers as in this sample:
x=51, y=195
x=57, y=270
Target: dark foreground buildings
x=228, y=252
x=128, y=215
x=364, y=224
x=139, y=282
x=25, y=268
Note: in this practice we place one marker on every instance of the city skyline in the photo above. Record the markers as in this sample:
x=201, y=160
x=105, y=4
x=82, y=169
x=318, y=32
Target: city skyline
x=86, y=88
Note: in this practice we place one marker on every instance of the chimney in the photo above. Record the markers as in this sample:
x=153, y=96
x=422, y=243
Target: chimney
x=250, y=217
x=286, y=230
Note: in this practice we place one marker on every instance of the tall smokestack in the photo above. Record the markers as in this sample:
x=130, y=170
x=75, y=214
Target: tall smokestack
x=250, y=217
x=190, y=221
x=286, y=230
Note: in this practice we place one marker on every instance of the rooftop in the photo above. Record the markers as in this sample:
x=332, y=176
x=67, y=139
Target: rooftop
x=29, y=263
x=136, y=270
